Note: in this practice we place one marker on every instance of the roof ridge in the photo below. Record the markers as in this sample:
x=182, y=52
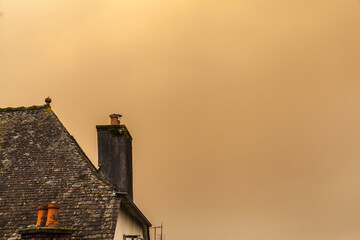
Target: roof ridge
x=22, y=108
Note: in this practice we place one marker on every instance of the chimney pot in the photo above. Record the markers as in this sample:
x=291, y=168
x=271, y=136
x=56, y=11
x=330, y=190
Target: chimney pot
x=42, y=216
x=53, y=216
x=115, y=119
x=49, y=231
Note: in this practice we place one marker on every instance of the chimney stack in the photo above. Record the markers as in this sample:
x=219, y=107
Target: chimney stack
x=115, y=154
x=50, y=230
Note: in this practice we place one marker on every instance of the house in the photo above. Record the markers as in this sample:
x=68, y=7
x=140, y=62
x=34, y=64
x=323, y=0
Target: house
x=41, y=163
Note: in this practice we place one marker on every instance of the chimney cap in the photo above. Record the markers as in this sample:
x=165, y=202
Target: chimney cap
x=52, y=205
x=115, y=115
x=42, y=207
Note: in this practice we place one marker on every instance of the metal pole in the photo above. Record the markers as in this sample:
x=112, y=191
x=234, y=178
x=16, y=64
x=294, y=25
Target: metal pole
x=161, y=232
x=155, y=233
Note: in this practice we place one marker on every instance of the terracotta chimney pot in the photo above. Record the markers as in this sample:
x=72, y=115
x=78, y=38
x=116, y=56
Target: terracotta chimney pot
x=115, y=119
x=42, y=216
x=53, y=216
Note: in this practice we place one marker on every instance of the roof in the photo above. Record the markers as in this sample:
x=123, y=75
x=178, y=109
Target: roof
x=40, y=163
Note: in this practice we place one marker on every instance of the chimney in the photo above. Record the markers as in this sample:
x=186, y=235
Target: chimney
x=115, y=154
x=50, y=230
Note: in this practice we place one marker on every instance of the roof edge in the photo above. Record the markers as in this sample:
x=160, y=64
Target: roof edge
x=94, y=171
x=129, y=203
x=88, y=162
x=22, y=108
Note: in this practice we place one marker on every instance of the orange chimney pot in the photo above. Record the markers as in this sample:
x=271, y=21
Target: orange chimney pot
x=53, y=216
x=42, y=216
x=115, y=119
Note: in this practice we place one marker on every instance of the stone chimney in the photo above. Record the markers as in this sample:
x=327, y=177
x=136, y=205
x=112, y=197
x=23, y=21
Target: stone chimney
x=115, y=154
x=47, y=226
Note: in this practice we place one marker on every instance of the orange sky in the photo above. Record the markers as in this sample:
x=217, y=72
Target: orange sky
x=245, y=114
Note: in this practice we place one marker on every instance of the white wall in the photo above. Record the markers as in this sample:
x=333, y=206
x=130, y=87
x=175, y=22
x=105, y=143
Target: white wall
x=127, y=224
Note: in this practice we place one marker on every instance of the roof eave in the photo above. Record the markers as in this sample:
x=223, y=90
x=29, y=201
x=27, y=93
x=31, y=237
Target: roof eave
x=134, y=209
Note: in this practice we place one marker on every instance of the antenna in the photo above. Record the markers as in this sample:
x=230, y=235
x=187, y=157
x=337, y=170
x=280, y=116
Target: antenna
x=161, y=232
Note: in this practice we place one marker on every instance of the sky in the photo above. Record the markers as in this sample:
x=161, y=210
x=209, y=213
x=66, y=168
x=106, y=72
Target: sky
x=245, y=114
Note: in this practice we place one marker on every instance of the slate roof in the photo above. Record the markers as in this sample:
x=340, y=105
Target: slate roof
x=41, y=163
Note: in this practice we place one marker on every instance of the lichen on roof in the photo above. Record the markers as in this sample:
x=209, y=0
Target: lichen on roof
x=34, y=107
x=46, y=229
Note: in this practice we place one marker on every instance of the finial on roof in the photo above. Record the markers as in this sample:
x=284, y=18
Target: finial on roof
x=48, y=100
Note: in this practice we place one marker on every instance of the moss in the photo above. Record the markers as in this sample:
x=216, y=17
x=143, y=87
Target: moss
x=82, y=176
x=96, y=175
x=48, y=110
x=119, y=130
x=4, y=169
x=3, y=147
x=25, y=213
x=99, y=195
x=10, y=109
x=127, y=134
x=115, y=129
x=85, y=185
x=45, y=229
